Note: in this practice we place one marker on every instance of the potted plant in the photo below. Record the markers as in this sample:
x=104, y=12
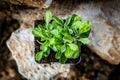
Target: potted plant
x=59, y=40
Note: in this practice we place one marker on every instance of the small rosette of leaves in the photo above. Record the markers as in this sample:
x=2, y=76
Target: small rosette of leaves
x=63, y=37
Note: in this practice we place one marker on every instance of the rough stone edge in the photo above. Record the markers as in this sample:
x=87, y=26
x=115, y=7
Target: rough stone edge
x=61, y=70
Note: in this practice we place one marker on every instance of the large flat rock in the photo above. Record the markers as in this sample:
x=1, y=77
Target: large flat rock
x=21, y=44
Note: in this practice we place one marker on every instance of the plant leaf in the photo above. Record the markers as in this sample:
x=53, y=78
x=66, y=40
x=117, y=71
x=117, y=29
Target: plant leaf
x=55, y=41
x=54, y=24
x=39, y=55
x=64, y=31
x=76, y=25
x=50, y=26
x=59, y=47
x=59, y=28
x=45, y=46
x=70, y=31
x=58, y=55
x=47, y=53
x=84, y=40
x=52, y=41
x=59, y=36
x=77, y=18
x=62, y=59
x=73, y=16
x=44, y=33
x=75, y=54
x=39, y=26
x=72, y=51
x=58, y=21
x=47, y=17
x=53, y=47
x=67, y=38
x=63, y=48
x=67, y=22
x=85, y=27
x=73, y=46
x=68, y=52
x=40, y=32
x=54, y=31
x=39, y=42
x=85, y=35
x=36, y=32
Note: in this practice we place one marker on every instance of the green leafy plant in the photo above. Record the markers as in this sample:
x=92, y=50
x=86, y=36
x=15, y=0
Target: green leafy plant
x=62, y=36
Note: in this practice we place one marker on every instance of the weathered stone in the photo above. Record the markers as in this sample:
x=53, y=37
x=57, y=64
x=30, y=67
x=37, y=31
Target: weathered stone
x=33, y=3
x=21, y=44
x=105, y=38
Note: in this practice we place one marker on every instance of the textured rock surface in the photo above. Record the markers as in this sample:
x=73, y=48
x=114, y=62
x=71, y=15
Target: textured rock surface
x=105, y=38
x=105, y=35
x=33, y=3
x=21, y=44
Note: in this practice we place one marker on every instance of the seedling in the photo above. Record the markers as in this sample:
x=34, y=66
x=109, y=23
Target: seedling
x=62, y=36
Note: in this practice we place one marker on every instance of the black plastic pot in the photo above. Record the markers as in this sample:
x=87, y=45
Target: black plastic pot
x=51, y=57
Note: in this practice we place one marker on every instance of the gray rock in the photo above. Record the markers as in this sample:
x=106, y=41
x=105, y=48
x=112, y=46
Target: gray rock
x=21, y=44
x=105, y=37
